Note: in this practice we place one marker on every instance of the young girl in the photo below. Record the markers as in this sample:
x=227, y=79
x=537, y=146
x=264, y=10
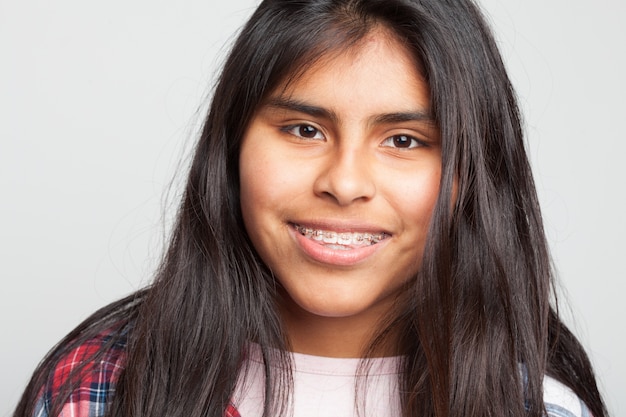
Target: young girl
x=359, y=235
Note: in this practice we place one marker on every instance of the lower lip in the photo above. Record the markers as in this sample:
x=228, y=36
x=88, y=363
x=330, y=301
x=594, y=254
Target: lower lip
x=337, y=257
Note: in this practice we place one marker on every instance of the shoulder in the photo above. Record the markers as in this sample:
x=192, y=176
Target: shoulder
x=84, y=377
x=560, y=400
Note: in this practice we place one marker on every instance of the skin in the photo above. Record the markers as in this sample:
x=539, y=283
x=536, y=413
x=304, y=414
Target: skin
x=349, y=146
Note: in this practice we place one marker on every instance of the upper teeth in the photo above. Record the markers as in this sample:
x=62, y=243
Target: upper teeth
x=341, y=238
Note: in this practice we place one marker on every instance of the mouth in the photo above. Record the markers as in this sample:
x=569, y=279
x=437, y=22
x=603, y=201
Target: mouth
x=340, y=240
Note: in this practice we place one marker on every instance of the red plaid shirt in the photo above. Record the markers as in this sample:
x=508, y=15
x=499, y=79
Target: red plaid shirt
x=96, y=384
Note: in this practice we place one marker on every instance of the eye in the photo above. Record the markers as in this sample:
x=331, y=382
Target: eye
x=402, y=142
x=304, y=131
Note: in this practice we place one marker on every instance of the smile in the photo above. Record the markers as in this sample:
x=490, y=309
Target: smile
x=340, y=240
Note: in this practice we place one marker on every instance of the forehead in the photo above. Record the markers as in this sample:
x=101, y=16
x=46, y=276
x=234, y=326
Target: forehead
x=377, y=70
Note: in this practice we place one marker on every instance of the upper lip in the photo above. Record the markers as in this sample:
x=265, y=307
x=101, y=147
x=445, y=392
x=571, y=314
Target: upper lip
x=341, y=226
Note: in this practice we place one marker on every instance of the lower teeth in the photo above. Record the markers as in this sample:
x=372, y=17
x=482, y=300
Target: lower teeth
x=338, y=247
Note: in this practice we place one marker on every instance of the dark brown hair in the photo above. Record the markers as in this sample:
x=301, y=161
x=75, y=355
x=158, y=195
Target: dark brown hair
x=479, y=329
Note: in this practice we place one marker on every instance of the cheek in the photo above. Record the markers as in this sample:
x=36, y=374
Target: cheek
x=417, y=199
x=269, y=181
x=272, y=176
x=252, y=167
x=263, y=183
x=255, y=184
x=418, y=202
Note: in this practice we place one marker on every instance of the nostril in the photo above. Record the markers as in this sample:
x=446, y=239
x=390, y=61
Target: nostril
x=347, y=180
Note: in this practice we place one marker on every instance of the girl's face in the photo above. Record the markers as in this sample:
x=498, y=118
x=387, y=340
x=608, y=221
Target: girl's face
x=340, y=171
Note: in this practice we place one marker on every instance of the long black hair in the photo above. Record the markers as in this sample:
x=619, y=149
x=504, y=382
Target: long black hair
x=479, y=331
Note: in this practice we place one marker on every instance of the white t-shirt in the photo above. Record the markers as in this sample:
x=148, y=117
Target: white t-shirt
x=561, y=401
x=327, y=387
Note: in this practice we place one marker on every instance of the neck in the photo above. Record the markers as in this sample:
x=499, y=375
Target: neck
x=340, y=337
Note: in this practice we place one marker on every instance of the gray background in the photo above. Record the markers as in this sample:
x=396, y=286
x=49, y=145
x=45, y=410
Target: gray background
x=99, y=105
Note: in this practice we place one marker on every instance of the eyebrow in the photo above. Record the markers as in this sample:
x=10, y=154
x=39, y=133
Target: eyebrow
x=316, y=111
x=301, y=107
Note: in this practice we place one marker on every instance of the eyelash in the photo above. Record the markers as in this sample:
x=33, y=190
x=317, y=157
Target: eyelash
x=413, y=142
x=388, y=142
x=293, y=130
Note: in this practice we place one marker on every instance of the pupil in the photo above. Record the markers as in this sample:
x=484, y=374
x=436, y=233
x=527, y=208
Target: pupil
x=402, y=141
x=308, y=131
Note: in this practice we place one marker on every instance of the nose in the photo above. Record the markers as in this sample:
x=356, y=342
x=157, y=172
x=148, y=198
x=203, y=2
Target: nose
x=346, y=177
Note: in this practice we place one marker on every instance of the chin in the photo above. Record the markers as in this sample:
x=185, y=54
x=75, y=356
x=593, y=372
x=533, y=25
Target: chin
x=341, y=307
